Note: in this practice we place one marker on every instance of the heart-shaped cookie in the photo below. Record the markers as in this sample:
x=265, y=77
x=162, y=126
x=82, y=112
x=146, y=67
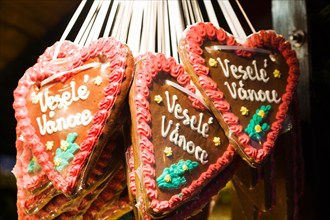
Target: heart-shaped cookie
x=178, y=146
x=248, y=86
x=67, y=108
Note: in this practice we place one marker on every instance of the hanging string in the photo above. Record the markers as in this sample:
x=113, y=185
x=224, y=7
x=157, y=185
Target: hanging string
x=245, y=16
x=232, y=20
x=98, y=22
x=69, y=27
x=135, y=27
x=111, y=19
x=227, y=47
x=149, y=25
x=211, y=13
x=188, y=92
x=86, y=26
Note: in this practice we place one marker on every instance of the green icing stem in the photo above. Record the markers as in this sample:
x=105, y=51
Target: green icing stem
x=257, y=120
x=33, y=166
x=63, y=157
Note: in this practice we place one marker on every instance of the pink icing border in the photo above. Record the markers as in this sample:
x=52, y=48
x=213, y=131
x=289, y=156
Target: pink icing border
x=151, y=65
x=117, y=53
x=194, y=37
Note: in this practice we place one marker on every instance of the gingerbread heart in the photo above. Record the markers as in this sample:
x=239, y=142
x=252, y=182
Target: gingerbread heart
x=178, y=146
x=67, y=108
x=248, y=86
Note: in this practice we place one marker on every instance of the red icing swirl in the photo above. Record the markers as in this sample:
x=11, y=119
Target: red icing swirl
x=196, y=59
x=210, y=30
x=221, y=36
x=193, y=48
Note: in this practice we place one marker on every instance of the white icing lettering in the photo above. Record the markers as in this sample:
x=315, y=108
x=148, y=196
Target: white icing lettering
x=169, y=107
x=58, y=101
x=165, y=133
x=183, y=114
x=251, y=72
x=181, y=141
x=61, y=123
x=175, y=134
x=65, y=99
x=251, y=94
x=194, y=123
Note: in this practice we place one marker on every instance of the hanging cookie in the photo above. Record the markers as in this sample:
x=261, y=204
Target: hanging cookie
x=248, y=86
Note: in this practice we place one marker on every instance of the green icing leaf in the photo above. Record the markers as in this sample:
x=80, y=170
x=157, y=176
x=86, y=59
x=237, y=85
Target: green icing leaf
x=172, y=177
x=63, y=157
x=71, y=137
x=33, y=166
x=256, y=129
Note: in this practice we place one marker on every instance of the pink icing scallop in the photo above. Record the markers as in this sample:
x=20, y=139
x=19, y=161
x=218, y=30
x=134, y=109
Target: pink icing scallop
x=167, y=64
x=230, y=118
x=176, y=70
x=183, y=79
x=142, y=102
x=251, y=152
x=195, y=49
x=207, y=83
x=284, y=45
x=194, y=38
x=221, y=105
x=236, y=129
x=149, y=171
x=200, y=28
x=231, y=41
x=261, y=154
x=107, y=102
x=196, y=59
x=142, y=116
x=201, y=69
x=210, y=31
x=144, y=129
x=221, y=36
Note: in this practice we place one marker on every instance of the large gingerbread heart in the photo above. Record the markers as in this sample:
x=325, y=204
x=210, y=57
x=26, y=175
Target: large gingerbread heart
x=248, y=86
x=68, y=107
x=178, y=146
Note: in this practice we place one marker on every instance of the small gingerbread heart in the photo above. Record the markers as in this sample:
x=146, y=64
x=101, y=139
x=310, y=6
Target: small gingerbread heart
x=248, y=86
x=178, y=146
x=68, y=107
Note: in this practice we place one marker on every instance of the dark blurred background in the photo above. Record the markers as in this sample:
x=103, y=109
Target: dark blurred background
x=27, y=27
